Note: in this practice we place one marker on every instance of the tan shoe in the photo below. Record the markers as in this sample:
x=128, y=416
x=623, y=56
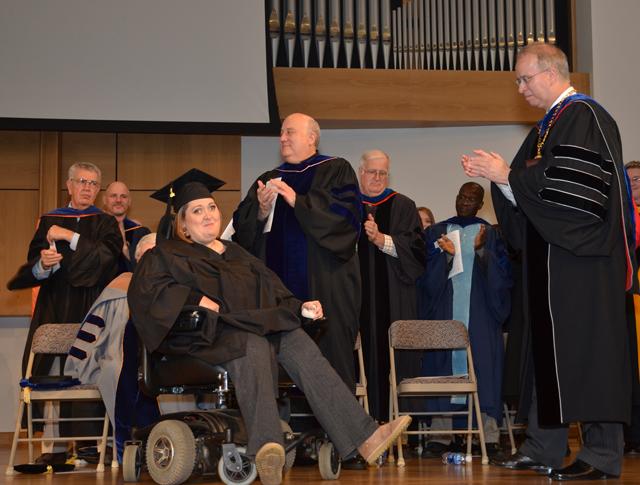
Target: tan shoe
x=383, y=438
x=269, y=462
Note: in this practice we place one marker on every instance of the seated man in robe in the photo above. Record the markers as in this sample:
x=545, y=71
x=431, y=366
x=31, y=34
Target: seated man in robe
x=478, y=296
x=105, y=353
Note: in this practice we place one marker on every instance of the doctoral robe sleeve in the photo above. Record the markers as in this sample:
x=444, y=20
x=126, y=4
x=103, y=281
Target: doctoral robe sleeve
x=495, y=268
x=24, y=277
x=248, y=229
x=95, y=260
x=435, y=286
x=574, y=189
x=155, y=298
x=512, y=220
x=331, y=212
x=406, y=232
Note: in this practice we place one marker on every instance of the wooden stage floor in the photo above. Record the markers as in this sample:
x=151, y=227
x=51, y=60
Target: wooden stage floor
x=417, y=471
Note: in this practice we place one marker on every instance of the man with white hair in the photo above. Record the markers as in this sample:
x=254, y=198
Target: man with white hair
x=392, y=257
x=71, y=258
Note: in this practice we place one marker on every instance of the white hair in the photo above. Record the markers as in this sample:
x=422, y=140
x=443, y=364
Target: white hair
x=84, y=166
x=372, y=155
x=147, y=241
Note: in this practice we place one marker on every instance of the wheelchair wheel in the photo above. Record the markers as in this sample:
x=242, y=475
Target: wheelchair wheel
x=329, y=461
x=171, y=452
x=290, y=458
x=132, y=463
x=245, y=476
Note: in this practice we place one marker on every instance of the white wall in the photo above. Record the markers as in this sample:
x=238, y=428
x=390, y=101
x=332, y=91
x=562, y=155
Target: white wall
x=616, y=70
x=425, y=162
x=13, y=334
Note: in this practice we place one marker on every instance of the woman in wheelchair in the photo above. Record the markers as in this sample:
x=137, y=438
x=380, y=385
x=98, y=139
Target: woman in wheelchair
x=252, y=322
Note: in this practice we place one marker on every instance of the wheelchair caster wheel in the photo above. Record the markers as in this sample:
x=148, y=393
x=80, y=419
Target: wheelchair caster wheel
x=171, y=452
x=244, y=474
x=329, y=461
x=132, y=462
x=290, y=458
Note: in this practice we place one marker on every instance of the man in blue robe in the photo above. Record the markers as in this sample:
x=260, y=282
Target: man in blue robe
x=478, y=296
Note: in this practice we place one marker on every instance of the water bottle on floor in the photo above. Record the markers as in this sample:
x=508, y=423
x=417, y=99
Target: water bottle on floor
x=453, y=458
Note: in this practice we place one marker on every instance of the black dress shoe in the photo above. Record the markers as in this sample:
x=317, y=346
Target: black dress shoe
x=355, y=463
x=518, y=461
x=494, y=451
x=579, y=470
x=435, y=449
x=51, y=458
x=631, y=448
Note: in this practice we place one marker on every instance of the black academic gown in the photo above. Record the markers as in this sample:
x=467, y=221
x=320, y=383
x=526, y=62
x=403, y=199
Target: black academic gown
x=572, y=225
x=175, y=275
x=489, y=306
x=312, y=247
x=388, y=292
x=67, y=294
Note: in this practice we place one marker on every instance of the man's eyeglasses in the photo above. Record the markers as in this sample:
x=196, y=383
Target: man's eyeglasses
x=527, y=79
x=380, y=173
x=86, y=182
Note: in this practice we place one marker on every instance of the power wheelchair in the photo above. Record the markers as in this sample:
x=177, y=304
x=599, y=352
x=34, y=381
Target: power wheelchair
x=206, y=443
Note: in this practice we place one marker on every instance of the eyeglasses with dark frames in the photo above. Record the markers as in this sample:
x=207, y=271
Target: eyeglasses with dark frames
x=527, y=79
x=86, y=182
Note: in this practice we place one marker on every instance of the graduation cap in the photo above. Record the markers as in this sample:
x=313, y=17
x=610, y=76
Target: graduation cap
x=192, y=185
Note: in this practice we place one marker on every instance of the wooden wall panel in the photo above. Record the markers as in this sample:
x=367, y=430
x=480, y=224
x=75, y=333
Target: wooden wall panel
x=50, y=152
x=19, y=214
x=19, y=159
x=97, y=148
x=366, y=98
x=147, y=162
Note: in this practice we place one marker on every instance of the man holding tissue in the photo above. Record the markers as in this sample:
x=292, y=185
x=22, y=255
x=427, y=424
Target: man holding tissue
x=303, y=219
x=73, y=255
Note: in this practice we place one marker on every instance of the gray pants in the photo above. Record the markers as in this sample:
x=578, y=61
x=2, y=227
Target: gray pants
x=333, y=405
x=603, y=443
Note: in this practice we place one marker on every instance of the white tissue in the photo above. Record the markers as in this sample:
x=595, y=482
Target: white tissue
x=309, y=312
